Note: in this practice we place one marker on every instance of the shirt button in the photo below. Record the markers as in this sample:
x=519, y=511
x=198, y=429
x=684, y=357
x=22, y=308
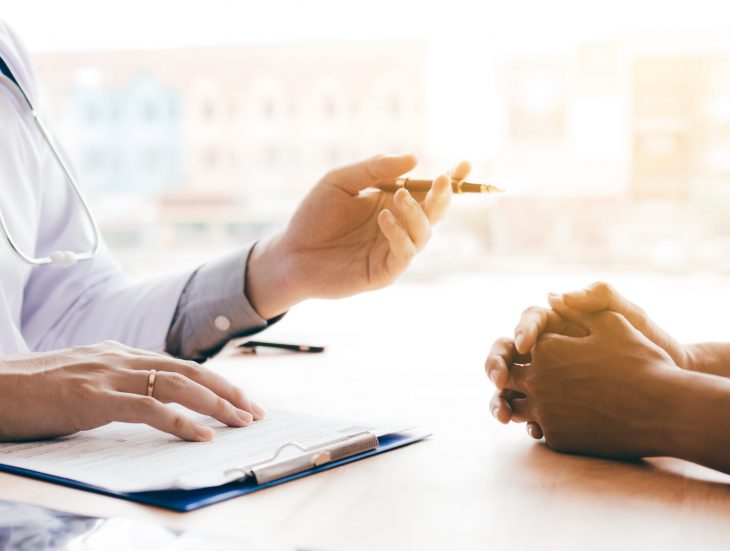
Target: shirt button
x=222, y=323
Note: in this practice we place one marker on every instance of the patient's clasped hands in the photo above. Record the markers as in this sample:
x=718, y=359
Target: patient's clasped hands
x=593, y=374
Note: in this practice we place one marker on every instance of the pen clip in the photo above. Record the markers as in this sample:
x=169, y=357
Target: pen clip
x=312, y=456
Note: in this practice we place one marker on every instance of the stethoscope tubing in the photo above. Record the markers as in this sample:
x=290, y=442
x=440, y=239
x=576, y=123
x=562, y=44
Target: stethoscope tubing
x=62, y=258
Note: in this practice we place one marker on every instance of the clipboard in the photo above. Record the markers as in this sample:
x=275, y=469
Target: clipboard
x=252, y=478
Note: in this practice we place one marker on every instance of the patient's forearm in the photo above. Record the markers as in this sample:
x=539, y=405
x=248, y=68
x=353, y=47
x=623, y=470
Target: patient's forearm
x=697, y=429
x=710, y=357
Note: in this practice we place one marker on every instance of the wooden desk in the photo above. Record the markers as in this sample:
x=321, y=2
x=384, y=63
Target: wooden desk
x=415, y=353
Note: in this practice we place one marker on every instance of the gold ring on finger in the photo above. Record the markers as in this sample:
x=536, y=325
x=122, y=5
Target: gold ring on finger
x=151, y=382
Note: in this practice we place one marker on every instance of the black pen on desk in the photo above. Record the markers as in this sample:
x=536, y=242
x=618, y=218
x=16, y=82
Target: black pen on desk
x=457, y=186
x=306, y=348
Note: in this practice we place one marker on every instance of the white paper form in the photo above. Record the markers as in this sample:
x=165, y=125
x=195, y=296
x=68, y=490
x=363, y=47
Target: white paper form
x=131, y=458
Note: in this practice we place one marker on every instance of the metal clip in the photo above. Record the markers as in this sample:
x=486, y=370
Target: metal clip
x=312, y=456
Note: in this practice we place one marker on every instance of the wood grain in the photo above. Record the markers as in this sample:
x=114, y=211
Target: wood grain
x=415, y=354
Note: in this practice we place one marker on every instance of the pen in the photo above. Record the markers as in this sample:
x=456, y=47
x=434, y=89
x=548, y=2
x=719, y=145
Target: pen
x=251, y=346
x=457, y=186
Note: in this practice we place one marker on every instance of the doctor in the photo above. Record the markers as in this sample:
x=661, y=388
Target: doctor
x=66, y=306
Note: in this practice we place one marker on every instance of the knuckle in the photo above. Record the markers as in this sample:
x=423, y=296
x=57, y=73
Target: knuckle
x=177, y=380
x=500, y=347
x=555, y=440
x=533, y=313
x=179, y=422
x=222, y=405
x=100, y=368
x=546, y=346
x=239, y=396
x=111, y=343
x=528, y=380
x=614, y=320
x=603, y=288
x=641, y=317
x=502, y=342
x=190, y=369
x=329, y=176
x=372, y=165
x=146, y=405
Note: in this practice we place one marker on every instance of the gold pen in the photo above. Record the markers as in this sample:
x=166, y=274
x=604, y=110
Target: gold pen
x=457, y=186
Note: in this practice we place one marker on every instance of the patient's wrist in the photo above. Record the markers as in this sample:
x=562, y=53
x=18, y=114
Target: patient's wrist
x=696, y=403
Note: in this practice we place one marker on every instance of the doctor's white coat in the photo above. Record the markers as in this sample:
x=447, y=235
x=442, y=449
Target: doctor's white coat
x=44, y=307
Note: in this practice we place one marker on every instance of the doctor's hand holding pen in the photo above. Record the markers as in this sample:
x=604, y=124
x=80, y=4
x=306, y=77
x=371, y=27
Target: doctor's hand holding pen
x=345, y=238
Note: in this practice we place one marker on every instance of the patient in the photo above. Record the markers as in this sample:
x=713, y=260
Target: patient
x=594, y=375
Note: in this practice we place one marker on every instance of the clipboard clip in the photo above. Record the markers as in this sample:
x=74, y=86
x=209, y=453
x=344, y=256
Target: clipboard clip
x=310, y=457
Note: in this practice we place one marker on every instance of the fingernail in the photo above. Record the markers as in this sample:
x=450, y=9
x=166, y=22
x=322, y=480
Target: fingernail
x=245, y=416
x=531, y=431
x=205, y=433
x=408, y=200
x=519, y=341
x=495, y=412
x=260, y=412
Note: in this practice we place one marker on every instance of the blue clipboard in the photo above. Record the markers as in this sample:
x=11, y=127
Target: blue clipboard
x=190, y=500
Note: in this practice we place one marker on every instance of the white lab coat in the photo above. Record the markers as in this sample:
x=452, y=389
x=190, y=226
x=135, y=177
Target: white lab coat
x=44, y=307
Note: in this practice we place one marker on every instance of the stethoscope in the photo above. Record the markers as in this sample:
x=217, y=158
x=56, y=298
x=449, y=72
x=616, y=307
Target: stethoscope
x=62, y=259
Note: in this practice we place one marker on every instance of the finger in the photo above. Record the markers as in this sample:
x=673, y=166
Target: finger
x=533, y=323
x=602, y=296
x=174, y=387
x=130, y=408
x=500, y=404
x=438, y=199
x=517, y=375
x=597, y=296
x=500, y=357
x=521, y=410
x=356, y=177
x=460, y=171
x=412, y=218
x=534, y=430
x=201, y=375
x=401, y=248
x=582, y=319
x=500, y=408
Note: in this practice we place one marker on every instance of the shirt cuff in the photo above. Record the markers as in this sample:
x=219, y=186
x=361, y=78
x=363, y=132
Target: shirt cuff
x=213, y=309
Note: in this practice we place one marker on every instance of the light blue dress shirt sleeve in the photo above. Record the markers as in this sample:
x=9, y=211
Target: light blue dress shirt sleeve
x=213, y=309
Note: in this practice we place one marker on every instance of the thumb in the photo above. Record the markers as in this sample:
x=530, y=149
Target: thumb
x=595, y=297
x=358, y=176
x=602, y=296
x=573, y=315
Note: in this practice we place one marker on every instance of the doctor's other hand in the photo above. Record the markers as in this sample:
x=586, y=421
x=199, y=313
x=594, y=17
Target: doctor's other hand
x=344, y=239
x=57, y=393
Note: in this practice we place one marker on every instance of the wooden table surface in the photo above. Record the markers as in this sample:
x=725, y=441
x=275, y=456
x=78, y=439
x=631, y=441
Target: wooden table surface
x=414, y=353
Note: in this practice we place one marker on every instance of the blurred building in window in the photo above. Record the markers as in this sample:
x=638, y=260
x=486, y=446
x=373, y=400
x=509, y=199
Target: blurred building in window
x=614, y=152
x=620, y=154
x=224, y=141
